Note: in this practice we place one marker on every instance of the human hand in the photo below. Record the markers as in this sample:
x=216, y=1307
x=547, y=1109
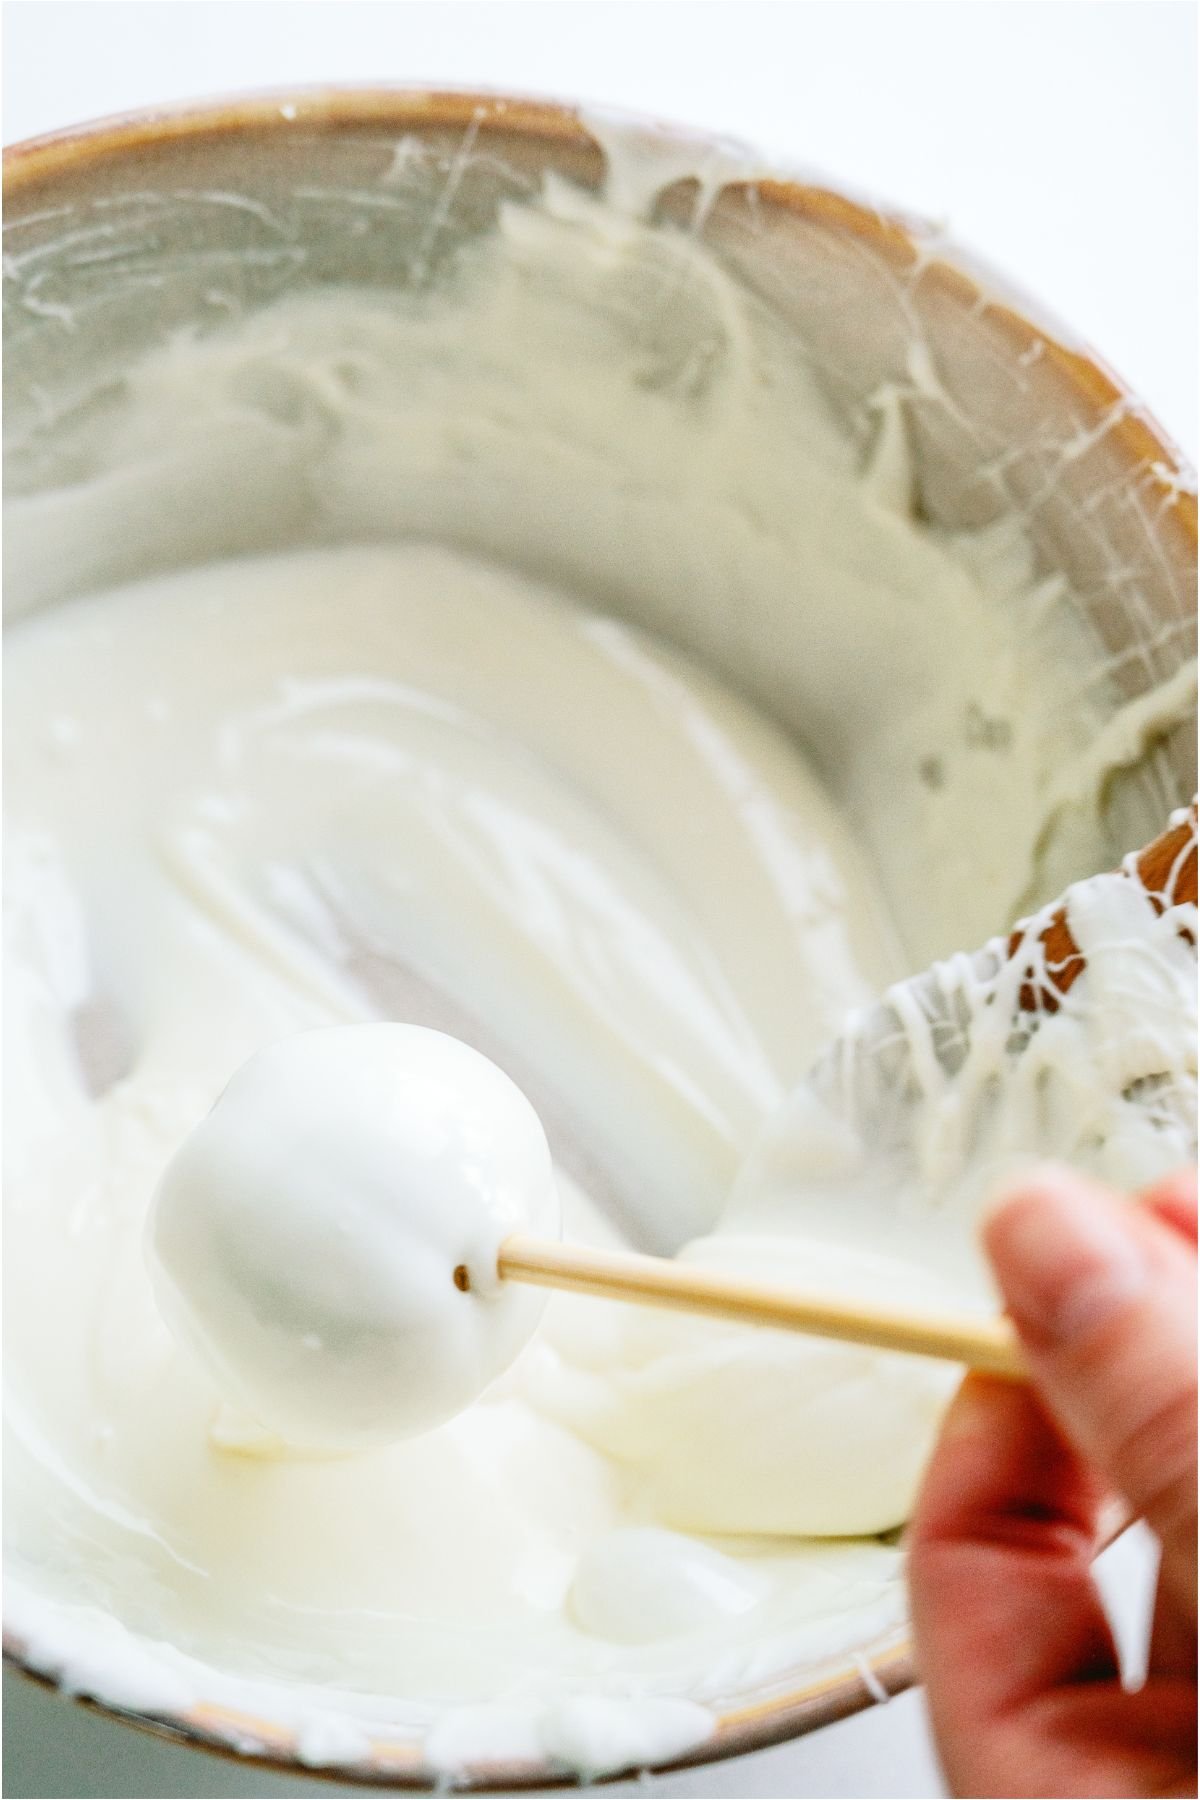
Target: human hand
x=1012, y=1643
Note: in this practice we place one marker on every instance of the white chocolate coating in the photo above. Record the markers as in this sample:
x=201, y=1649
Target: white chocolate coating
x=306, y=1235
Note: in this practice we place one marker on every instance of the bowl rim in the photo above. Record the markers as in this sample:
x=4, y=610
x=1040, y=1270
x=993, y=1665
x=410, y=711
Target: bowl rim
x=885, y=1668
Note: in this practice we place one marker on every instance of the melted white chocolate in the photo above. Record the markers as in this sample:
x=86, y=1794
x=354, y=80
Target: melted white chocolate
x=248, y=795
x=312, y=812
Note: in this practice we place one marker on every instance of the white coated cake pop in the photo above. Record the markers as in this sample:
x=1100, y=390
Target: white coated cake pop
x=326, y=1239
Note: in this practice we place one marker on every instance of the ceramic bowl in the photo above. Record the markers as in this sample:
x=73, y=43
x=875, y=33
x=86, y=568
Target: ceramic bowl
x=1026, y=417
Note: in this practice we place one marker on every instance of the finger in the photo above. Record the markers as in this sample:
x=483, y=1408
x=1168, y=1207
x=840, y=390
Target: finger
x=1172, y=1637
x=1174, y=1202
x=1103, y=1295
x=999, y=1559
x=1172, y=1649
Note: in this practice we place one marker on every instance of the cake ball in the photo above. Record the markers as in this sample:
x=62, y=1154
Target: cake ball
x=326, y=1239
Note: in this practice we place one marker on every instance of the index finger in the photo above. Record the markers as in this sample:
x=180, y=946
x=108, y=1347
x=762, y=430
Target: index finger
x=1104, y=1296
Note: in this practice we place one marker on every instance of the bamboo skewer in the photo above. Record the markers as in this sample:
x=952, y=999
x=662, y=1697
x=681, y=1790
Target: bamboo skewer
x=980, y=1343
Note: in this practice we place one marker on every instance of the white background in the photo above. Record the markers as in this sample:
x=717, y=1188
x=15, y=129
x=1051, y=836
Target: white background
x=1056, y=137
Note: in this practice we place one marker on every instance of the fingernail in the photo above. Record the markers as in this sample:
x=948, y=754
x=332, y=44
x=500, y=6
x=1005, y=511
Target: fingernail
x=1066, y=1258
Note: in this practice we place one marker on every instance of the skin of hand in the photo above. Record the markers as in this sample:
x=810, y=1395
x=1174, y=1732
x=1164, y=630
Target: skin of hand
x=1012, y=1643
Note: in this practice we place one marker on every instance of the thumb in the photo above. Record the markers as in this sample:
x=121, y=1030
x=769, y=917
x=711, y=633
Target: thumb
x=1103, y=1295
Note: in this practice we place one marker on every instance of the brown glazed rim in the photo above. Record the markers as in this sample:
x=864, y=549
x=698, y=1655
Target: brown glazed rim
x=39, y=163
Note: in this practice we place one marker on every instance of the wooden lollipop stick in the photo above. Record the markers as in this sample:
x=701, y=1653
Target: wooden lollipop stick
x=988, y=1344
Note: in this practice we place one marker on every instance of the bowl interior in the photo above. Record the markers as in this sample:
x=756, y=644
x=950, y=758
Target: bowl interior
x=129, y=239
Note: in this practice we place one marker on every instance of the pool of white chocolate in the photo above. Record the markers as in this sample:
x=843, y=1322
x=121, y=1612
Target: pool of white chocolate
x=464, y=779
